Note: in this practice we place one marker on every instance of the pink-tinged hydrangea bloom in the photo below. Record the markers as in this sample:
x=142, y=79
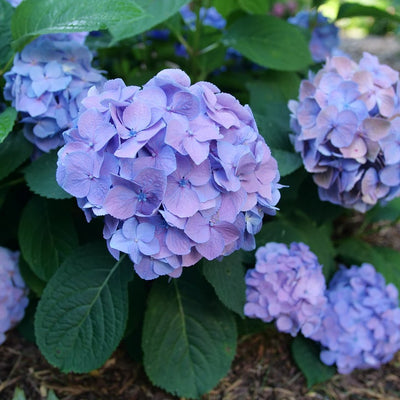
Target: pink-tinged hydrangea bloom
x=346, y=126
x=324, y=34
x=179, y=171
x=361, y=323
x=286, y=285
x=13, y=292
x=48, y=80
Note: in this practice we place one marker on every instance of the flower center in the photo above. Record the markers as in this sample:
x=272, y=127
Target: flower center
x=142, y=197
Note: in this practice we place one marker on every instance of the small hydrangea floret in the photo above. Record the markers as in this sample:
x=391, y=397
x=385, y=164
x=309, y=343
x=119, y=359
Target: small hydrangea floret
x=49, y=78
x=346, y=126
x=286, y=285
x=179, y=171
x=361, y=324
x=324, y=34
x=13, y=292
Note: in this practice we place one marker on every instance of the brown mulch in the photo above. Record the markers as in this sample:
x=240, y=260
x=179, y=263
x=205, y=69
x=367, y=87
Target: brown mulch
x=262, y=369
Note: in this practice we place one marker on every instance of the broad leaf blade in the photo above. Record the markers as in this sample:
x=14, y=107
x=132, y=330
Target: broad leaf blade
x=46, y=236
x=349, y=10
x=38, y=17
x=288, y=161
x=306, y=355
x=156, y=11
x=6, y=12
x=189, y=338
x=227, y=278
x=269, y=42
x=41, y=177
x=13, y=152
x=7, y=119
x=82, y=315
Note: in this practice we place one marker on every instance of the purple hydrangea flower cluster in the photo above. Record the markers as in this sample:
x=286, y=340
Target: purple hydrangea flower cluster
x=208, y=17
x=179, y=171
x=361, y=324
x=346, y=126
x=14, y=3
x=13, y=292
x=286, y=284
x=324, y=34
x=46, y=84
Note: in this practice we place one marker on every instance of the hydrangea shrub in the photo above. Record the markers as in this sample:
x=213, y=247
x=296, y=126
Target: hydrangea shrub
x=345, y=125
x=173, y=171
x=13, y=293
x=179, y=171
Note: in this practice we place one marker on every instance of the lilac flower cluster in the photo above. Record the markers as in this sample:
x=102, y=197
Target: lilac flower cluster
x=286, y=284
x=46, y=84
x=346, y=126
x=361, y=324
x=324, y=34
x=179, y=171
x=13, y=293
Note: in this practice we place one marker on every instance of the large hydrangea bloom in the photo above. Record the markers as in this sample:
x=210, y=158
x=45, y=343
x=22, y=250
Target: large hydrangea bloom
x=324, y=34
x=46, y=84
x=347, y=125
x=361, y=324
x=179, y=170
x=286, y=284
x=13, y=293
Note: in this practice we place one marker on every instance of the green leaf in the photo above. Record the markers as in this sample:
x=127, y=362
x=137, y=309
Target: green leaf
x=7, y=119
x=46, y=236
x=26, y=326
x=13, y=152
x=51, y=395
x=226, y=7
x=19, y=394
x=255, y=6
x=40, y=177
x=385, y=260
x=288, y=161
x=156, y=11
x=34, y=283
x=6, y=11
x=301, y=229
x=227, y=279
x=269, y=42
x=306, y=355
x=349, y=10
x=189, y=338
x=388, y=212
x=82, y=315
x=37, y=17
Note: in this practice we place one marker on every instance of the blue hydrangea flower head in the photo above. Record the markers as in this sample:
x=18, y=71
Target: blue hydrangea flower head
x=361, y=324
x=13, y=292
x=346, y=126
x=286, y=285
x=208, y=16
x=324, y=34
x=179, y=171
x=46, y=84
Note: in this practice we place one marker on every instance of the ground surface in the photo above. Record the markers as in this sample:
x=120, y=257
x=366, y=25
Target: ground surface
x=263, y=367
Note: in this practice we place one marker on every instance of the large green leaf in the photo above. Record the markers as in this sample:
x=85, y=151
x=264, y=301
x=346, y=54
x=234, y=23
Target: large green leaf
x=301, y=229
x=255, y=6
x=6, y=12
x=34, y=283
x=189, y=337
x=7, y=119
x=384, y=259
x=269, y=42
x=349, y=10
x=41, y=177
x=82, y=315
x=37, y=17
x=156, y=11
x=288, y=161
x=46, y=236
x=227, y=278
x=13, y=152
x=388, y=212
x=306, y=355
